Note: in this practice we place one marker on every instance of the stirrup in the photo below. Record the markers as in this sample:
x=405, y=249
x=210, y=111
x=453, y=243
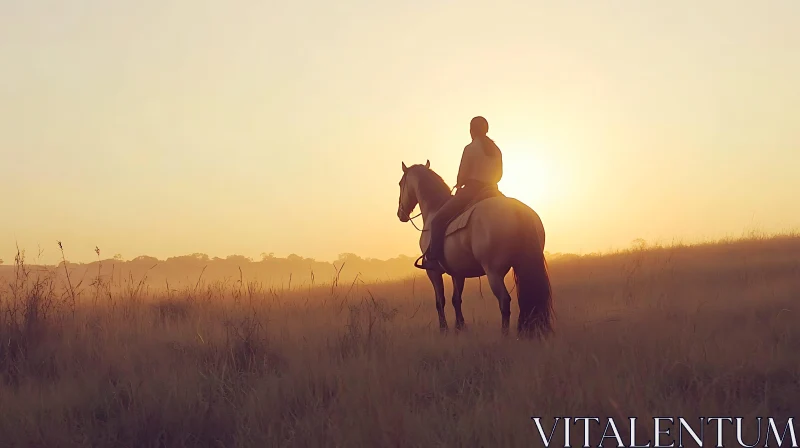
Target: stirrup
x=420, y=264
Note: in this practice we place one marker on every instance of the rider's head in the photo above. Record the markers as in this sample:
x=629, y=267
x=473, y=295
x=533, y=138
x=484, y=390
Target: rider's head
x=478, y=127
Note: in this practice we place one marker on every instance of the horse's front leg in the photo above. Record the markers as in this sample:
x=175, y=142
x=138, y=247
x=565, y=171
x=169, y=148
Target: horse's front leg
x=458, y=289
x=438, y=288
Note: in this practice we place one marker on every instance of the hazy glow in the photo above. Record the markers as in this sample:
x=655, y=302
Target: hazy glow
x=166, y=127
x=534, y=178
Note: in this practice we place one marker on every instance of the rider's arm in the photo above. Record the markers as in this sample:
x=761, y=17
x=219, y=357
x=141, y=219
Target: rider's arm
x=500, y=168
x=463, y=169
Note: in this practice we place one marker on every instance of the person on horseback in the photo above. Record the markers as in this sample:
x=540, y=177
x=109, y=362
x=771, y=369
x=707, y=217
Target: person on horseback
x=480, y=170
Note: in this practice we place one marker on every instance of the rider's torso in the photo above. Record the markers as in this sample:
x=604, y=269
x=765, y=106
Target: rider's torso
x=479, y=167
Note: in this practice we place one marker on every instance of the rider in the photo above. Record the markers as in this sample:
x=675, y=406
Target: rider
x=480, y=171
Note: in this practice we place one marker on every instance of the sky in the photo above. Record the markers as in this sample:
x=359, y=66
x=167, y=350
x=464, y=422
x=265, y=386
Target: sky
x=169, y=127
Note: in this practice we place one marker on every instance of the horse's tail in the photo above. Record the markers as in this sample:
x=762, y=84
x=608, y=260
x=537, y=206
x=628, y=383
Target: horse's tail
x=534, y=292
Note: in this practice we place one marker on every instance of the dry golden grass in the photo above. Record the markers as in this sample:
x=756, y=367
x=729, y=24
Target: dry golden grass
x=681, y=331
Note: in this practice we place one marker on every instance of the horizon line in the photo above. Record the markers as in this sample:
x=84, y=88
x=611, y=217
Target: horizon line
x=636, y=244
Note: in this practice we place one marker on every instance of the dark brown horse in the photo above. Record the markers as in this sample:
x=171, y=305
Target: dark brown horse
x=502, y=233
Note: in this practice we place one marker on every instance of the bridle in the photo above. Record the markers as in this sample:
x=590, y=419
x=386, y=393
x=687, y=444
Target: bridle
x=403, y=209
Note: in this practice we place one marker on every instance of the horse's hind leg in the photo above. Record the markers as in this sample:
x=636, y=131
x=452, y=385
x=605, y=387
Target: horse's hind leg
x=458, y=289
x=438, y=288
x=497, y=283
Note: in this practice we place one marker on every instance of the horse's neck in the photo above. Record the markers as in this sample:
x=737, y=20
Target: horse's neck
x=429, y=206
x=428, y=209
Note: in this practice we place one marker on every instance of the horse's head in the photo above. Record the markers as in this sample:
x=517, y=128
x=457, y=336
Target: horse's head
x=408, y=191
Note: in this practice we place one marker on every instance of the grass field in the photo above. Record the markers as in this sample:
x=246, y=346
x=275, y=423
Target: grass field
x=689, y=331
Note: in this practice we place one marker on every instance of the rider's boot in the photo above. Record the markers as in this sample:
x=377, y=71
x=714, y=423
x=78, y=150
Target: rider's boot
x=426, y=263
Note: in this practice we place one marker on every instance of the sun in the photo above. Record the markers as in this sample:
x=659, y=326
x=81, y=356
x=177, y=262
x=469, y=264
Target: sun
x=528, y=175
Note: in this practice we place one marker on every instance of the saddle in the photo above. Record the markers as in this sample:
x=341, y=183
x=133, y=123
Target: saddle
x=460, y=221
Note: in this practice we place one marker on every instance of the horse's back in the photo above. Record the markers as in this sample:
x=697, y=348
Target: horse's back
x=489, y=231
x=504, y=206
x=503, y=216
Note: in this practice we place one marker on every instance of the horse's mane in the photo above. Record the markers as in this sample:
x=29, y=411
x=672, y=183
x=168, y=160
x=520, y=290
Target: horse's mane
x=432, y=186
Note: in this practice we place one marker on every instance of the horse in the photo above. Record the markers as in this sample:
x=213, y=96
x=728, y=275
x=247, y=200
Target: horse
x=501, y=233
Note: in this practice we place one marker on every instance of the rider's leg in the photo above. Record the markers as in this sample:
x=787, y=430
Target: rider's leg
x=442, y=218
x=438, y=229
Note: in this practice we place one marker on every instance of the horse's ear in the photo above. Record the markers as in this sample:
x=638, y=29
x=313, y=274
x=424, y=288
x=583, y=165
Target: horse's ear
x=405, y=168
x=428, y=164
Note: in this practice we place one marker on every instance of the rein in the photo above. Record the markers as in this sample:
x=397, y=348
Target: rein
x=411, y=218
